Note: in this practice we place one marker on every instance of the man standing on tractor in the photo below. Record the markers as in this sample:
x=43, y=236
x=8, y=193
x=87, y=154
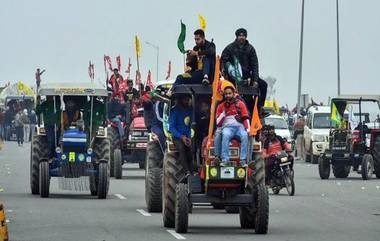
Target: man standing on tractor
x=180, y=120
x=233, y=118
x=98, y=114
x=272, y=145
x=241, y=55
x=131, y=93
x=116, y=81
x=51, y=116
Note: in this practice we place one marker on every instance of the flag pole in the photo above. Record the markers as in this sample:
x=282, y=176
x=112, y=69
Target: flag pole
x=105, y=70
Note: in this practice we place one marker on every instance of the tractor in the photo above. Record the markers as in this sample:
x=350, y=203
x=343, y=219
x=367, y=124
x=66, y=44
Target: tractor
x=73, y=145
x=130, y=148
x=234, y=185
x=156, y=148
x=352, y=146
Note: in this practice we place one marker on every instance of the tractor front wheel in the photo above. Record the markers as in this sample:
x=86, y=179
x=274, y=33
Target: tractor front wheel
x=324, y=167
x=367, y=167
x=117, y=164
x=181, y=208
x=44, y=178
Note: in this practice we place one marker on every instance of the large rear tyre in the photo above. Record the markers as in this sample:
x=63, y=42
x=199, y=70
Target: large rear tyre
x=153, y=189
x=44, y=178
x=376, y=151
x=114, y=138
x=118, y=164
x=93, y=185
x=341, y=170
x=324, y=167
x=101, y=149
x=259, y=170
x=261, y=198
x=367, y=167
x=104, y=180
x=246, y=216
x=38, y=150
x=181, y=208
x=173, y=172
x=154, y=155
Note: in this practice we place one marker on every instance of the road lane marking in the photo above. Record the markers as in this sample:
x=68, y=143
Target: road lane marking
x=363, y=188
x=143, y=212
x=119, y=196
x=377, y=187
x=338, y=183
x=176, y=235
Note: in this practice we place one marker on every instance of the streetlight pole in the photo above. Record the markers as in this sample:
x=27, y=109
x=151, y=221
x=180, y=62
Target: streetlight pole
x=300, y=62
x=337, y=44
x=157, y=48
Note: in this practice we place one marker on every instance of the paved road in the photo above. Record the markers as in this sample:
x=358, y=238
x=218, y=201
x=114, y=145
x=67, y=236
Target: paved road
x=344, y=209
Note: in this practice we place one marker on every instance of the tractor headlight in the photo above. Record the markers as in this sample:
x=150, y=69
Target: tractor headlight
x=57, y=150
x=101, y=131
x=213, y=171
x=81, y=157
x=63, y=157
x=241, y=172
x=89, y=151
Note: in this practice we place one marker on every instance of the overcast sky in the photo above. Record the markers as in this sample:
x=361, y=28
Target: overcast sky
x=62, y=36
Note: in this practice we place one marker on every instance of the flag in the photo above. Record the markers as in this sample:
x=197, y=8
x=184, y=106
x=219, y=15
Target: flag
x=138, y=46
x=215, y=85
x=138, y=79
x=181, y=38
x=202, y=22
x=107, y=59
x=91, y=70
x=169, y=70
x=149, y=81
x=255, y=122
x=118, y=62
x=129, y=66
x=335, y=116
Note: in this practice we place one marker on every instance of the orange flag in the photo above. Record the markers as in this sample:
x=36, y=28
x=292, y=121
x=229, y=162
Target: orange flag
x=214, y=99
x=255, y=122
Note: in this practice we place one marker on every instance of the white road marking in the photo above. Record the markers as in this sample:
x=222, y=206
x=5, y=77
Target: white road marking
x=9, y=172
x=377, y=187
x=308, y=165
x=338, y=183
x=143, y=212
x=9, y=211
x=7, y=221
x=363, y=188
x=322, y=194
x=119, y=196
x=176, y=235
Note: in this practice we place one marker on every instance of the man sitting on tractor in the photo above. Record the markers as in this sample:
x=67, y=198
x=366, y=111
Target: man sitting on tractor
x=116, y=113
x=232, y=116
x=51, y=115
x=180, y=120
x=71, y=114
x=272, y=145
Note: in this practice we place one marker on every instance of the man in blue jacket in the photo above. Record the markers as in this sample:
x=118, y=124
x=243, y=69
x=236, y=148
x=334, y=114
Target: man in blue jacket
x=180, y=119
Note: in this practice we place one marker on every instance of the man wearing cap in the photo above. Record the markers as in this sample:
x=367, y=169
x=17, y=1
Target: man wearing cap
x=240, y=56
x=232, y=117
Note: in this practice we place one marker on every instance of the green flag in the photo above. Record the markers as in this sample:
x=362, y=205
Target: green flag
x=181, y=39
x=335, y=116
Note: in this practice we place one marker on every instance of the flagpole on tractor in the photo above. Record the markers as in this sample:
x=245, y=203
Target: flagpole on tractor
x=105, y=70
x=300, y=62
x=157, y=48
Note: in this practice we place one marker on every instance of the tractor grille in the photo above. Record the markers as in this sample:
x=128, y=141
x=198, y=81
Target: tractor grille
x=340, y=140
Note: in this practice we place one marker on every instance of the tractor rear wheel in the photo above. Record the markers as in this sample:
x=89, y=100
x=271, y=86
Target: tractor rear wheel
x=154, y=155
x=44, y=178
x=259, y=170
x=367, y=167
x=181, y=208
x=153, y=189
x=117, y=163
x=324, y=167
x=114, y=138
x=261, y=198
x=173, y=172
x=376, y=150
x=102, y=155
x=38, y=150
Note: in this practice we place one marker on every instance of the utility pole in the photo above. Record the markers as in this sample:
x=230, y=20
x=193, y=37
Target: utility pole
x=337, y=44
x=157, y=48
x=300, y=62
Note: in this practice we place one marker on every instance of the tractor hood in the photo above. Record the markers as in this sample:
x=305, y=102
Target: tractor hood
x=138, y=123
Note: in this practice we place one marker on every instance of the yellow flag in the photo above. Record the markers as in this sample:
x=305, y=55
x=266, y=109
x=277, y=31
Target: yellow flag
x=202, y=22
x=138, y=46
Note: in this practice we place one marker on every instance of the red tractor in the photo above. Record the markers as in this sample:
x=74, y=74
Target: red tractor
x=358, y=148
x=130, y=148
x=242, y=187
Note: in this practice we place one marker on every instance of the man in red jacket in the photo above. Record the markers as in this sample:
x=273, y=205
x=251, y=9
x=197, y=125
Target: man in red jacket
x=232, y=116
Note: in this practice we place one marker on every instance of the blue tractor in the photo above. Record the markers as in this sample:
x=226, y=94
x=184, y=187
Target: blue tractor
x=71, y=140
